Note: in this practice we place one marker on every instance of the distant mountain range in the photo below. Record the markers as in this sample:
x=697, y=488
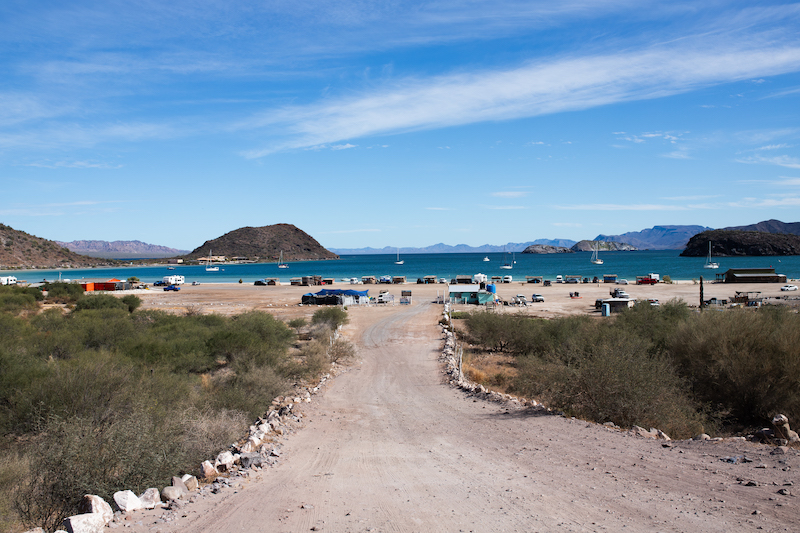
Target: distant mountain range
x=121, y=249
x=442, y=248
x=771, y=226
x=657, y=237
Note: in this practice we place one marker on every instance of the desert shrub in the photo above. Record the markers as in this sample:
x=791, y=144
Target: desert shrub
x=297, y=323
x=99, y=301
x=492, y=330
x=13, y=467
x=132, y=301
x=253, y=338
x=332, y=316
x=96, y=456
x=104, y=327
x=207, y=431
x=15, y=302
x=341, y=351
x=613, y=378
x=65, y=293
x=744, y=364
x=250, y=390
x=657, y=324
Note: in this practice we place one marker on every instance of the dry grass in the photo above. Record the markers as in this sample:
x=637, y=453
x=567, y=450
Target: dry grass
x=490, y=369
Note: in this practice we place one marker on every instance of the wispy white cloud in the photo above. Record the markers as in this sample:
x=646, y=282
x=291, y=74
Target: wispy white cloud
x=622, y=207
x=510, y=194
x=678, y=154
x=779, y=160
x=689, y=198
x=364, y=230
x=73, y=164
x=537, y=88
x=346, y=146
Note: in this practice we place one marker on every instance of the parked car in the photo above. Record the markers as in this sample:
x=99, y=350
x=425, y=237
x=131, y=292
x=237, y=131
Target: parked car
x=789, y=288
x=537, y=298
x=159, y=283
x=172, y=288
x=195, y=283
x=507, y=279
x=622, y=282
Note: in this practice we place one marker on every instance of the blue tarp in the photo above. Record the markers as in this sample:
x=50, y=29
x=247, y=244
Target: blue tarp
x=345, y=292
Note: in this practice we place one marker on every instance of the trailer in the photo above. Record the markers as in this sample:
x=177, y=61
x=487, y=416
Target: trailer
x=8, y=280
x=174, y=280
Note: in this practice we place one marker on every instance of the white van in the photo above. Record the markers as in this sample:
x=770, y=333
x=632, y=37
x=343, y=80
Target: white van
x=559, y=279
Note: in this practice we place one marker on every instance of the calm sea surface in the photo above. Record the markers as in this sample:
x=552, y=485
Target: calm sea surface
x=625, y=264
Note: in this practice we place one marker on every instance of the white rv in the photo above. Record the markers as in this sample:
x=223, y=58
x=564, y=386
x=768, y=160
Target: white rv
x=8, y=280
x=174, y=280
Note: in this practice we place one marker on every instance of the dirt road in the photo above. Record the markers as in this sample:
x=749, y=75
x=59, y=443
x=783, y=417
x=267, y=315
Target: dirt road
x=389, y=448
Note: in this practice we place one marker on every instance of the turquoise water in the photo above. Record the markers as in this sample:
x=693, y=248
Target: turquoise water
x=624, y=264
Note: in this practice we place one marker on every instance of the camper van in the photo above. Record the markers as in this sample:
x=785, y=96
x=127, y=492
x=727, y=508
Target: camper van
x=8, y=280
x=174, y=280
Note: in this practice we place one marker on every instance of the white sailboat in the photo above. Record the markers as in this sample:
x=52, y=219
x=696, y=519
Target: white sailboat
x=281, y=264
x=398, y=261
x=486, y=258
x=210, y=268
x=595, y=255
x=506, y=265
x=709, y=262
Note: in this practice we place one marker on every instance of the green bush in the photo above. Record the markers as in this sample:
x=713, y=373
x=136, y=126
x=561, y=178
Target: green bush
x=15, y=299
x=746, y=364
x=332, y=316
x=67, y=293
x=132, y=301
x=99, y=301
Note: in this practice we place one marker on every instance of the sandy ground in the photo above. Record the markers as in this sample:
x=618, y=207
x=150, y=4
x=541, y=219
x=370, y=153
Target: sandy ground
x=388, y=447
x=283, y=300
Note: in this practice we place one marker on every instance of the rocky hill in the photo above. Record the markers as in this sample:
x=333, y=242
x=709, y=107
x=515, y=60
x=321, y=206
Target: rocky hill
x=657, y=237
x=120, y=249
x=22, y=250
x=730, y=243
x=603, y=246
x=547, y=249
x=771, y=226
x=265, y=243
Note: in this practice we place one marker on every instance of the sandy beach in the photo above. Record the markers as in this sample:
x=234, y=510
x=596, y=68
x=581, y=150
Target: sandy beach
x=284, y=300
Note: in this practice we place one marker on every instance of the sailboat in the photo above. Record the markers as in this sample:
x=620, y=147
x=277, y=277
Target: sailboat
x=595, y=255
x=210, y=268
x=506, y=265
x=486, y=258
x=398, y=261
x=709, y=263
x=281, y=264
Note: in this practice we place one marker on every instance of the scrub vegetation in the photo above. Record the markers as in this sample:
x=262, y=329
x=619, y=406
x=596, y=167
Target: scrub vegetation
x=664, y=367
x=104, y=398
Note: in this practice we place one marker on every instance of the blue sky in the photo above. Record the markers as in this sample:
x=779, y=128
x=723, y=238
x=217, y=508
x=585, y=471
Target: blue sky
x=396, y=123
